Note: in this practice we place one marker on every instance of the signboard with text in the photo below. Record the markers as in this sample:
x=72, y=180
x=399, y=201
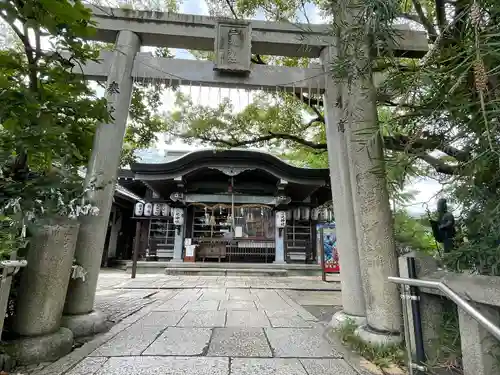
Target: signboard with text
x=330, y=254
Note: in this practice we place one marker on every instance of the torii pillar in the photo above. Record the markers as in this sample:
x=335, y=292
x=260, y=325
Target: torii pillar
x=377, y=250
x=353, y=300
x=79, y=312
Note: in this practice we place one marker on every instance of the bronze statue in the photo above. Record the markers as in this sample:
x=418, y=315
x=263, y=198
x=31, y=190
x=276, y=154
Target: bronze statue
x=444, y=227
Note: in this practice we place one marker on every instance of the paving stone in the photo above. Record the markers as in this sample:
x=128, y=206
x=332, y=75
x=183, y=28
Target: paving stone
x=132, y=341
x=238, y=318
x=166, y=366
x=188, y=295
x=317, y=298
x=161, y=319
x=287, y=319
x=234, y=342
x=300, y=342
x=119, y=304
x=207, y=305
x=237, y=305
x=230, y=284
x=324, y=314
x=166, y=294
x=180, y=341
x=266, y=366
x=173, y=284
x=266, y=294
x=306, y=315
x=327, y=367
x=89, y=366
x=241, y=295
x=172, y=305
x=203, y=319
x=274, y=306
x=214, y=294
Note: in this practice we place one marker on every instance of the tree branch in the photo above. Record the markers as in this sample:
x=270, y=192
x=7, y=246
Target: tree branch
x=228, y=2
x=418, y=148
x=441, y=15
x=439, y=165
x=431, y=30
x=264, y=138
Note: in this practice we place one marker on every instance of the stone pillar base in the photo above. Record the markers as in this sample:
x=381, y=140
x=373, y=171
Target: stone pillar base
x=371, y=336
x=45, y=348
x=340, y=318
x=85, y=324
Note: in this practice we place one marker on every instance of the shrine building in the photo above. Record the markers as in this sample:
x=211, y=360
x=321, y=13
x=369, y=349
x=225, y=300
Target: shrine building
x=226, y=206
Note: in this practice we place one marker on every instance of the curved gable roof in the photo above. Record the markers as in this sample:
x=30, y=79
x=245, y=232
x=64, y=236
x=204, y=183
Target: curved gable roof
x=231, y=158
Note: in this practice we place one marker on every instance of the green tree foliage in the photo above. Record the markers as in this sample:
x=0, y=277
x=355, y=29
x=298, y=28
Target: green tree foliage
x=457, y=105
x=413, y=234
x=48, y=113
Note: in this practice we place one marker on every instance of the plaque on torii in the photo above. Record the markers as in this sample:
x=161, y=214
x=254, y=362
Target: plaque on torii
x=233, y=47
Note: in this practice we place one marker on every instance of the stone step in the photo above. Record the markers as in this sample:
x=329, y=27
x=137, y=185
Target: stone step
x=227, y=265
x=217, y=271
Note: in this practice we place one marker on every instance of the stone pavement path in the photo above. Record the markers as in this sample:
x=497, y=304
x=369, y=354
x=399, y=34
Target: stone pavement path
x=218, y=329
x=117, y=279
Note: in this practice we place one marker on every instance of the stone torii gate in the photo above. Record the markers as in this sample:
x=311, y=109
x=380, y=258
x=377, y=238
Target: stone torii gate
x=365, y=241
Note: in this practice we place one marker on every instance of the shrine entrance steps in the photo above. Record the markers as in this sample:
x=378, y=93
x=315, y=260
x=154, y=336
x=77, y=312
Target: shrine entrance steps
x=224, y=269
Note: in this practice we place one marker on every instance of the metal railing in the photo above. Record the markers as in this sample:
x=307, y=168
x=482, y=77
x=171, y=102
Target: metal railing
x=467, y=307
x=410, y=292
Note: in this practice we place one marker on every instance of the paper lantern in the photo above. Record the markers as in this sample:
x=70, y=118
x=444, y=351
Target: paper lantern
x=178, y=214
x=323, y=214
x=165, y=209
x=280, y=219
x=148, y=209
x=139, y=209
x=331, y=216
x=156, y=209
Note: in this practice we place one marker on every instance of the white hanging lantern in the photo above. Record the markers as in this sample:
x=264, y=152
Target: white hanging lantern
x=165, y=209
x=314, y=214
x=148, y=209
x=305, y=213
x=296, y=213
x=323, y=214
x=139, y=209
x=289, y=215
x=156, y=209
x=280, y=219
x=178, y=214
x=331, y=217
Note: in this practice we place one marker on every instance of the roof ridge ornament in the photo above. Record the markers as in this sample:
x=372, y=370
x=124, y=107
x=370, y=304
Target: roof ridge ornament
x=232, y=171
